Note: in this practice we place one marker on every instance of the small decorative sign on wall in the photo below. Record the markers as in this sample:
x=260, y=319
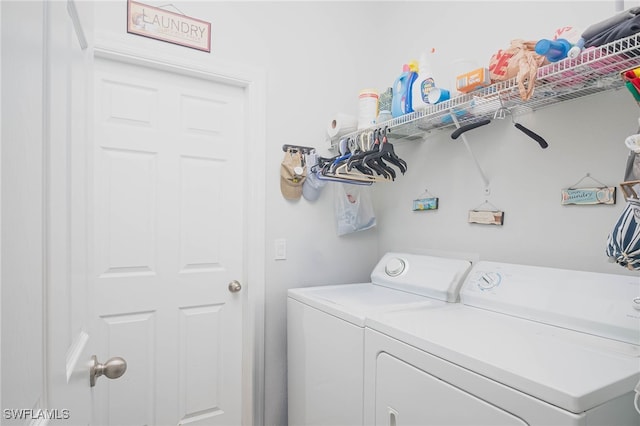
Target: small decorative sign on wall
x=425, y=201
x=486, y=214
x=486, y=217
x=425, y=204
x=602, y=194
x=161, y=24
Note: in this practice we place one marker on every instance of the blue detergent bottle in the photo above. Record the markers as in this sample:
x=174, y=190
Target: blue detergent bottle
x=401, y=100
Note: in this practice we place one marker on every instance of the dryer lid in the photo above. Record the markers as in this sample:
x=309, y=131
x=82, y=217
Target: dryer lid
x=432, y=276
x=354, y=302
x=605, y=305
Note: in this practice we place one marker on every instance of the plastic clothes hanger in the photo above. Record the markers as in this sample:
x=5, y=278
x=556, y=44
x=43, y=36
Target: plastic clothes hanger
x=334, y=169
x=376, y=160
x=362, y=150
x=459, y=131
x=345, y=154
x=331, y=178
x=389, y=153
x=342, y=171
x=500, y=114
x=366, y=143
x=358, y=160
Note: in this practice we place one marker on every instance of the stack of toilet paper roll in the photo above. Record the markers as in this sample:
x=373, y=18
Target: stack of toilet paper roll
x=341, y=124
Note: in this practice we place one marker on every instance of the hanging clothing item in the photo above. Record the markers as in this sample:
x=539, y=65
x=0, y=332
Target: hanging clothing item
x=632, y=170
x=292, y=174
x=623, y=244
x=312, y=186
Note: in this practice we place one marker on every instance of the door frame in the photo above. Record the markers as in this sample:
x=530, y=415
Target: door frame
x=253, y=83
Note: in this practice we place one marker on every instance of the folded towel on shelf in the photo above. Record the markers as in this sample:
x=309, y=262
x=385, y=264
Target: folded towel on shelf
x=622, y=29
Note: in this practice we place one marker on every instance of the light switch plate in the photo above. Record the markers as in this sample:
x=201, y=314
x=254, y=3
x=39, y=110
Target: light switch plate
x=281, y=249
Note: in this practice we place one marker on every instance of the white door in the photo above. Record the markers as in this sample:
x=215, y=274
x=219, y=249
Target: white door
x=166, y=240
x=146, y=227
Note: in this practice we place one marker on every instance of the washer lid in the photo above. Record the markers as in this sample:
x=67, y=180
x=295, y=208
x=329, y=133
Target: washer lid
x=436, y=277
x=353, y=302
x=569, y=369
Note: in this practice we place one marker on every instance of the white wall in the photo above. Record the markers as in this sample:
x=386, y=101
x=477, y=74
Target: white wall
x=22, y=214
x=1, y=281
x=585, y=136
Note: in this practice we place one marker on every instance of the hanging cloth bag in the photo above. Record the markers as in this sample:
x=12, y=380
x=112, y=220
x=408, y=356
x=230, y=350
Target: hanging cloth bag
x=623, y=244
x=353, y=208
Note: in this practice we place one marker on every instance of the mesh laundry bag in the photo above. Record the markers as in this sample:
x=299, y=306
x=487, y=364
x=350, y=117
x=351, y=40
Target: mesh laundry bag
x=623, y=244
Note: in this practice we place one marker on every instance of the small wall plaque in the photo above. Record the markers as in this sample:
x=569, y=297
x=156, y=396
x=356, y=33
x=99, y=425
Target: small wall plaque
x=161, y=24
x=589, y=196
x=425, y=204
x=486, y=217
x=425, y=201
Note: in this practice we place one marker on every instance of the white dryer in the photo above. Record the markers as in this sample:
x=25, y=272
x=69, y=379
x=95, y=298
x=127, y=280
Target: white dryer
x=325, y=332
x=526, y=346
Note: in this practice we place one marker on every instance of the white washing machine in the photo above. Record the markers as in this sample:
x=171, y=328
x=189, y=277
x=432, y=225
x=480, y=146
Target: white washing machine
x=325, y=332
x=526, y=346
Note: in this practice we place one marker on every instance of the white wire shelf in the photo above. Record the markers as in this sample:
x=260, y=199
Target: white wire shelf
x=593, y=71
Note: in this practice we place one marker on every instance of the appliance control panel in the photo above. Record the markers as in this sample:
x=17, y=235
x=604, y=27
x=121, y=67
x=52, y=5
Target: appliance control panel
x=432, y=276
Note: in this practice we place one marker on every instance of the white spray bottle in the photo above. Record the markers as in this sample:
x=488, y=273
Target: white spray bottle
x=424, y=83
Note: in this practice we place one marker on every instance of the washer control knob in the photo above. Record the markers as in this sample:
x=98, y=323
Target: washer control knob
x=395, y=267
x=636, y=303
x=489, y=280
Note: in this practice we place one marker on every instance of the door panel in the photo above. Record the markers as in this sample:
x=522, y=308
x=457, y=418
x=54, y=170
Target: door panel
x=127, y=213
x=167, y=230
x=129, y=399
x=200, y=388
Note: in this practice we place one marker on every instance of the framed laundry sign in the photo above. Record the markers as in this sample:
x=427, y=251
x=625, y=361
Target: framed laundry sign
x=164, y=25
x=602, y=195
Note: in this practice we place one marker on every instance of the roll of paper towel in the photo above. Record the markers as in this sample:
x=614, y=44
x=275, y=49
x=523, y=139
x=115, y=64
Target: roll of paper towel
x=341, y=124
